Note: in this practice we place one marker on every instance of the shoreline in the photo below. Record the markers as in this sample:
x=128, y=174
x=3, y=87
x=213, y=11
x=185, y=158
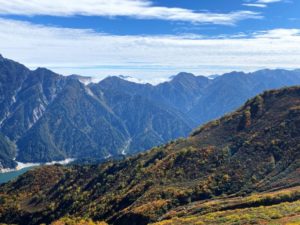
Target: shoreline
x=21, y=165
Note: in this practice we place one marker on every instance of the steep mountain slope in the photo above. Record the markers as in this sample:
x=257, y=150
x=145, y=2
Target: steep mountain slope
x=51, y=117
x=24, y=97
x=75, y=125
x=148, y=123
x=12, y=77
x=229, y=91
x=7, y=153
x=30, y=94
x=200, y=99
x=255, y=149
x=183, y=91
x=180, y=94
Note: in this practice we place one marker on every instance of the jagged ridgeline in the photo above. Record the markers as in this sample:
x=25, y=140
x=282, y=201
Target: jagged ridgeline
x=243, y=167
x=48, y=117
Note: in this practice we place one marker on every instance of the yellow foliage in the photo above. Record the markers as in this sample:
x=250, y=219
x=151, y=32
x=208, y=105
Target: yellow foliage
x=151, y=207
x=76, y=221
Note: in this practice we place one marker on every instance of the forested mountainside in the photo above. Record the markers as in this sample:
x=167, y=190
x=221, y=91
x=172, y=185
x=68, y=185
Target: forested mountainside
x=52, y=117
x=45, y=116
x=236, y=168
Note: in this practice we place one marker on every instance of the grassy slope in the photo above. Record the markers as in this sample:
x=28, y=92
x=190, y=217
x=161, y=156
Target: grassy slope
x=279, y=207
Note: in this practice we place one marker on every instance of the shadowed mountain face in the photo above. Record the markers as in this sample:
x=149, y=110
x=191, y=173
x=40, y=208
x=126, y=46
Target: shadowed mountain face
x=181, y=93
x=254, y=149
x=229, y=91
x=7, y=153
x=51, y=117
x=45, y=116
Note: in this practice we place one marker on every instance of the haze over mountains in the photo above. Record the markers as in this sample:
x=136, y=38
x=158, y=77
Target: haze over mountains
x=45, y=116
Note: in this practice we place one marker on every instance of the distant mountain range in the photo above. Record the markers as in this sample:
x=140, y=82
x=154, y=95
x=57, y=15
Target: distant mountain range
x=45, y=116
x=240, y=169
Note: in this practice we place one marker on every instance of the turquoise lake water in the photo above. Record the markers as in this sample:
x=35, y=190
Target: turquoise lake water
x=5, y=177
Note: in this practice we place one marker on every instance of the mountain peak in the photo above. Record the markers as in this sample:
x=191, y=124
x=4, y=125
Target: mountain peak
x=121, y=79
x=115, y=82
x=183, y=75
x=111, y=79
x=189, y=79
x=42, y=69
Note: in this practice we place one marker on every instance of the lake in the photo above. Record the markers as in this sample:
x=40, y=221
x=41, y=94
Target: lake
x=24, y=167
x=5, y=177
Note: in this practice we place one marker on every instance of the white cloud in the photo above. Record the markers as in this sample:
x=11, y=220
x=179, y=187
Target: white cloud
x=268, y=1
x=255, y=5
x=86, y=52
x=143, y=9
x=261, y=3
x=278, y=33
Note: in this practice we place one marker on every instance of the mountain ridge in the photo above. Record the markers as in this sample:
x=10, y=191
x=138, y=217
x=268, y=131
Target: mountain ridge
x=252, y=150
x=114, y=116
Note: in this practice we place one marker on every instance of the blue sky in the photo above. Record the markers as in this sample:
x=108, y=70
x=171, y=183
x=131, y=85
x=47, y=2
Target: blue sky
x=151, y=40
